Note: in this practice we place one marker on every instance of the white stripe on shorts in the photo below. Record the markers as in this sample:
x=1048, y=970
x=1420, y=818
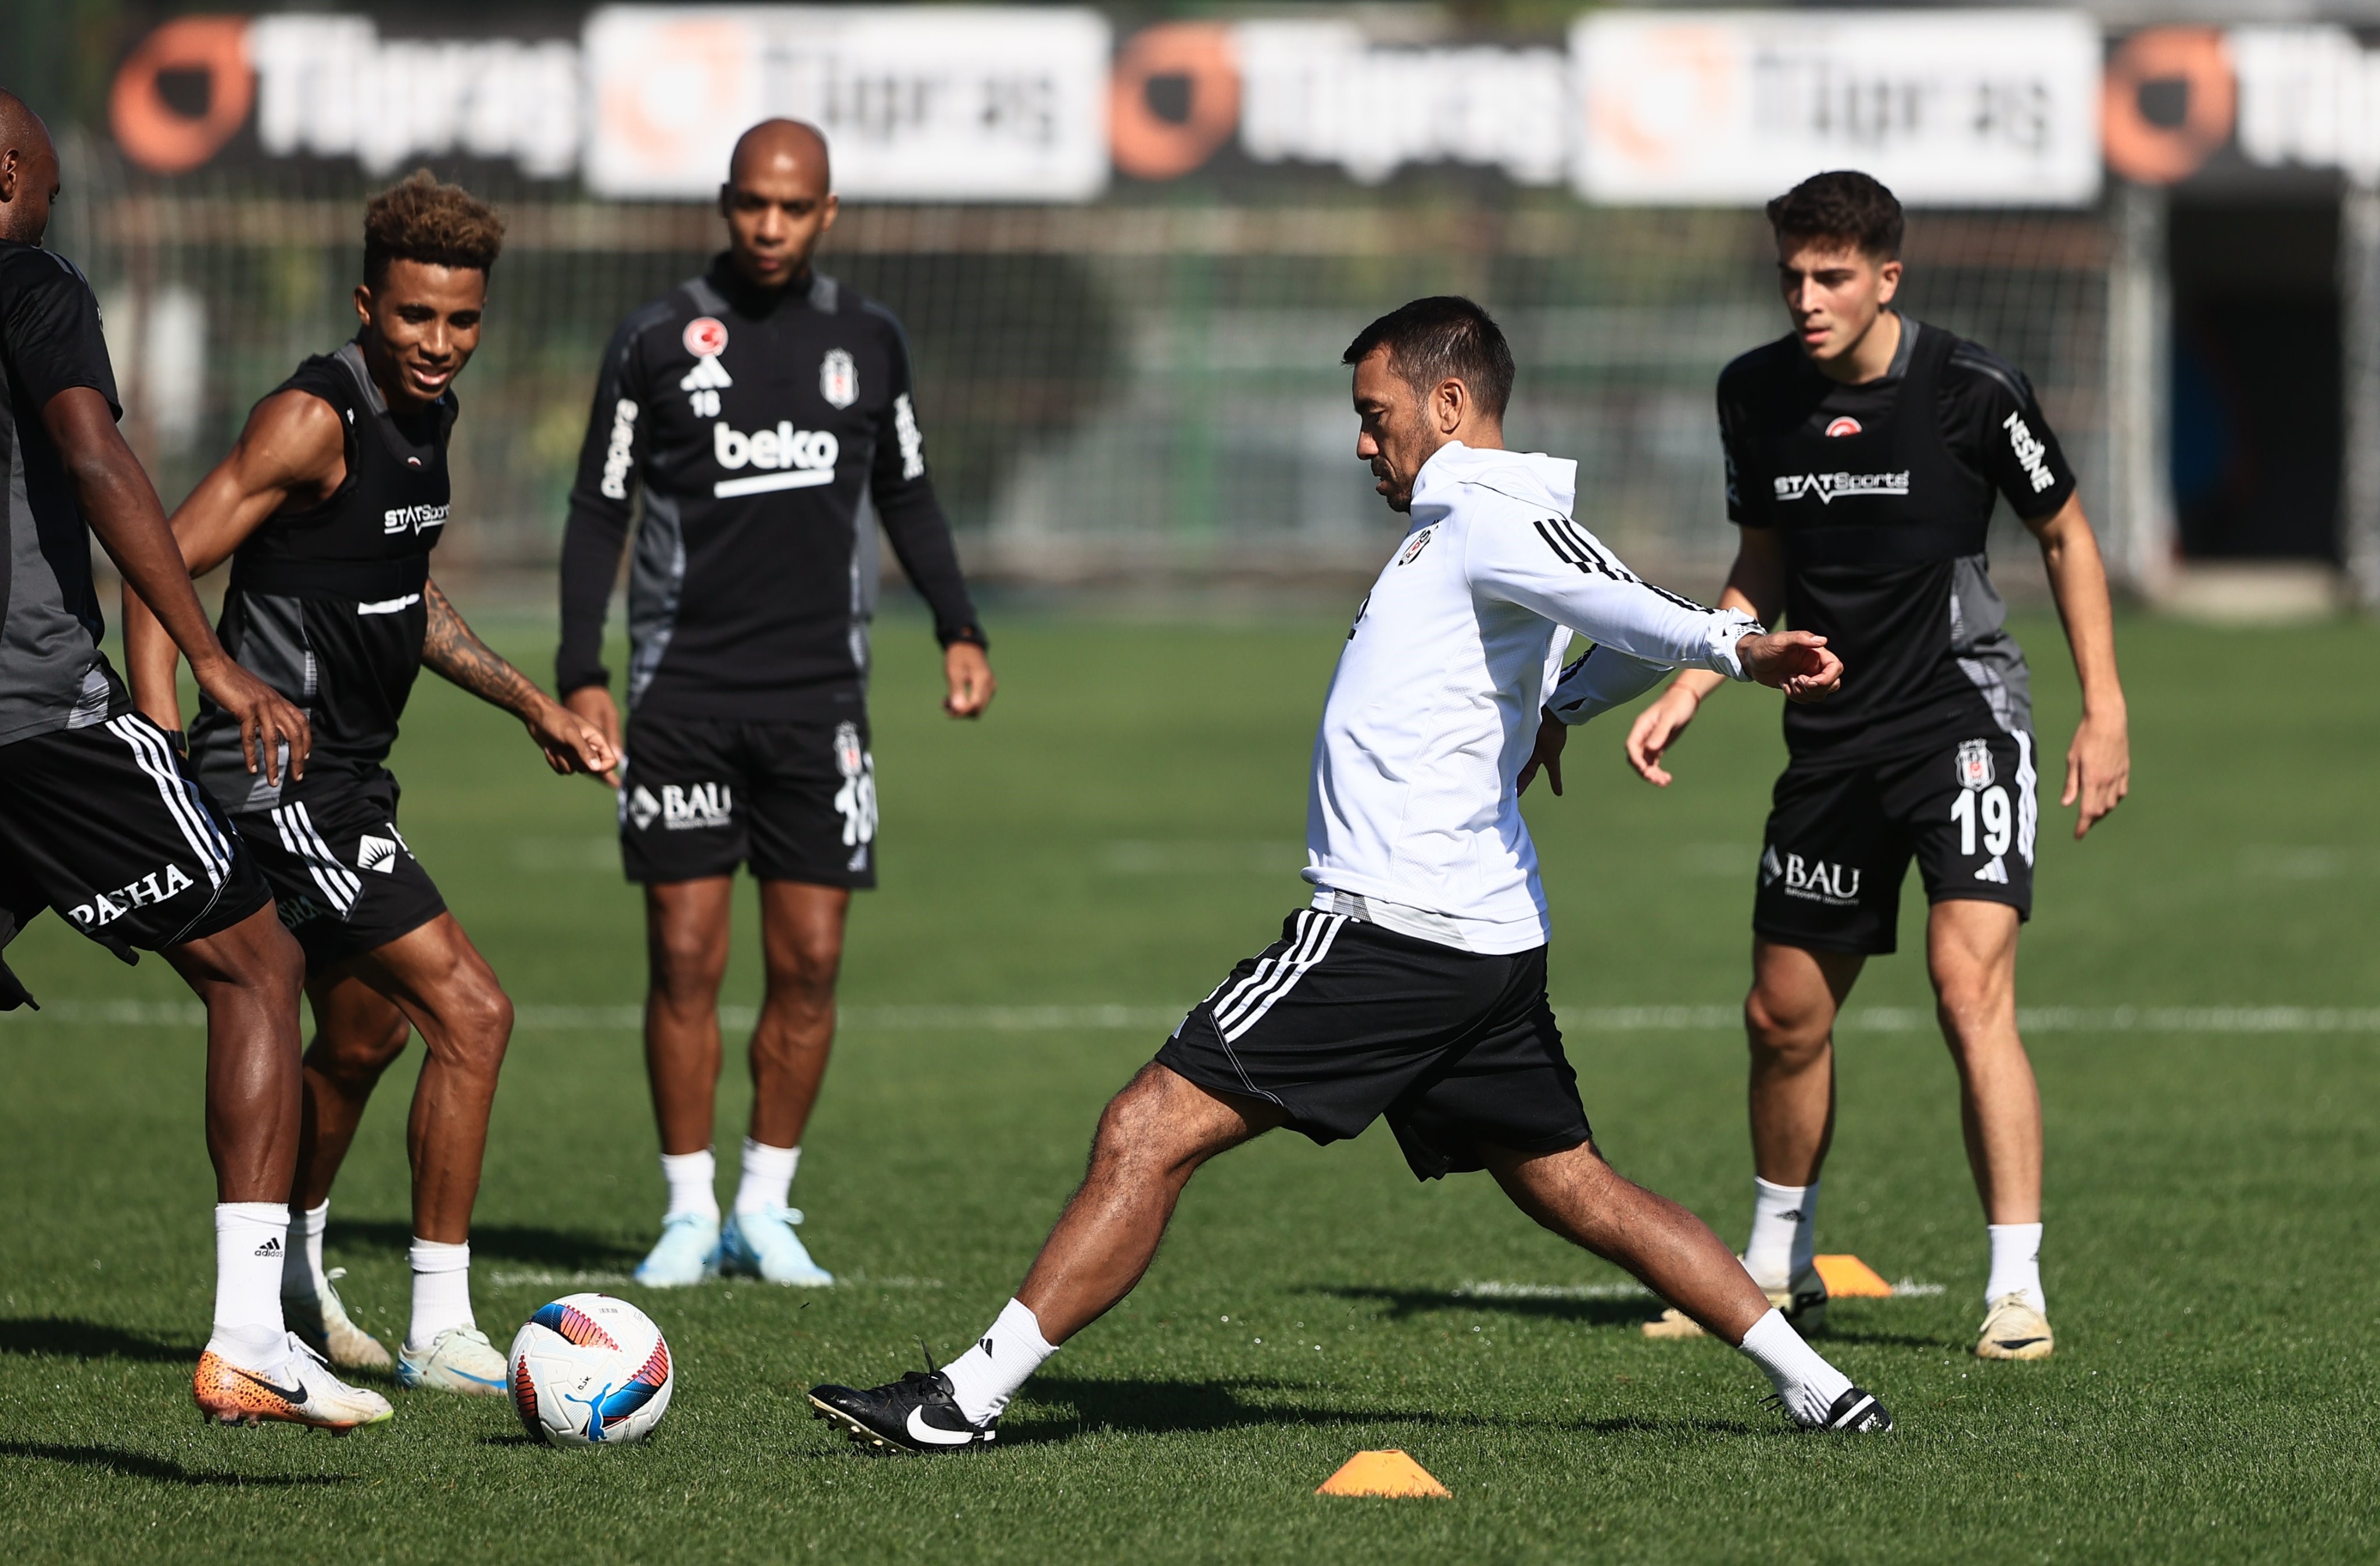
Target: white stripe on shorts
x=2028, y=809
x=298, y=835
x=1304, y=958
x=198, y=827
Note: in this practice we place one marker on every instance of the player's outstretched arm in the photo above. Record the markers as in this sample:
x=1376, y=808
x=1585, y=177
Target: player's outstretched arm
x=2099, y=762
x=123, y=509
x=571, y=744
x=1756, y=584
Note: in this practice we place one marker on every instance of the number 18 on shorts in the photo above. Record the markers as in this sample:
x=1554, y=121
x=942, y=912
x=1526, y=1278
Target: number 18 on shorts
x=1841, y=838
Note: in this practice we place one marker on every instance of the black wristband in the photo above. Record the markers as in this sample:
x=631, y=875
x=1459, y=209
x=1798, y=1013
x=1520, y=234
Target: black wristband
x=180, y=742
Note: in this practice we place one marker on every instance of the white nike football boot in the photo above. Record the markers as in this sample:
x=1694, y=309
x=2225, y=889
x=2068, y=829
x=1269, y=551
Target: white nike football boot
x=2014, y=1329
x=300, y=1390
x=323, y=1324
x=1804, y=1301
x=460, y=1359
x=686, y=1254
x=763, y=1245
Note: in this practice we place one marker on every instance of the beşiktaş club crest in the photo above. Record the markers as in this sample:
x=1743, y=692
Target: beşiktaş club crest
x=838, y=379
x=1975, y=764
x=1846, y=425
x=706, y=337
x=850, y=756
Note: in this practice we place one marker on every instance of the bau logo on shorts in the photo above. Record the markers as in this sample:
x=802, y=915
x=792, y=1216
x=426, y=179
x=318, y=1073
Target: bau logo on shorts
x=1837, y=886
x=681, y=807
x=106, y=908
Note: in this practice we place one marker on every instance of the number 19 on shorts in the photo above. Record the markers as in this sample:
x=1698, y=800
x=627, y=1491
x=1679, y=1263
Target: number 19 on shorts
x=1992, y=810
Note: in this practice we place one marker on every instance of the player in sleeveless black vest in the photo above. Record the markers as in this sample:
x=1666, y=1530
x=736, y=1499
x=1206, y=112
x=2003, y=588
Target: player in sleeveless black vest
x=328, y=508
x=1865, y=452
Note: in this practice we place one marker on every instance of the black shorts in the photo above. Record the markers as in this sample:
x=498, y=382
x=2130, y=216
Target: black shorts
x=1341, y=1022
x=344, y=876
x=1839, y=840
x=106, y=825
x=796, y=801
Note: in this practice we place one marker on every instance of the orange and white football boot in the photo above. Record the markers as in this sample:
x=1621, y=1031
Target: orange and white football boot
x=300, y=1390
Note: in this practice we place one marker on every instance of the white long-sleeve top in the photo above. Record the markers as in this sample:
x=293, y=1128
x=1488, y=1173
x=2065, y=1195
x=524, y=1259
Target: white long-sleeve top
x=1413, y=823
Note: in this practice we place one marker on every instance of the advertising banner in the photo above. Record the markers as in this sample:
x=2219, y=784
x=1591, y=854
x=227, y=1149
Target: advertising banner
x=1948, y=108
x=953, y=104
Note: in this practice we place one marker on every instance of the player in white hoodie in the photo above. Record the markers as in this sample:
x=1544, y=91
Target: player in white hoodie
x=1415, y=985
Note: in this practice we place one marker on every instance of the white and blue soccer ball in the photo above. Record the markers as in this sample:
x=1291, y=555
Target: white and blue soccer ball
x=589, y=1370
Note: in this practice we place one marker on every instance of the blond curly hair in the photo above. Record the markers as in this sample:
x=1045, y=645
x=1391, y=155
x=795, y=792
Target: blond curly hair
x=423, y=219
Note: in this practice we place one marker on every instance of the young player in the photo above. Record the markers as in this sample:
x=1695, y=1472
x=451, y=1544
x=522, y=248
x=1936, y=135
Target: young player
x=1864, y=452
x=1414, y=986
x=101, y=820
x=755, y=408
x=328, y=507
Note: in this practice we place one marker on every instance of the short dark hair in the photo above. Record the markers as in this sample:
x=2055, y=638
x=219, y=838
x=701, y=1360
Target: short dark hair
x=420, y=219
x=1843, y=205
x=1442, y=338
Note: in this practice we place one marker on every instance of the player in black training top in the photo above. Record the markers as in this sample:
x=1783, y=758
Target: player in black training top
x=754, y=410
x=1864, y=454
x=101, y=820
x=328, y=508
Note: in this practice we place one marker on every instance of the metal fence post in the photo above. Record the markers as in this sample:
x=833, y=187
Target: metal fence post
x=2140, y=324
x=2359, y=297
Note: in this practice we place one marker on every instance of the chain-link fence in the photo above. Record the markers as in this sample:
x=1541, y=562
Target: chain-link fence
x=1115, y=390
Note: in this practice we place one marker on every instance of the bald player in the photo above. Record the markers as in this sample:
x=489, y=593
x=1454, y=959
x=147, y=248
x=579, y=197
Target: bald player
x=753, y=409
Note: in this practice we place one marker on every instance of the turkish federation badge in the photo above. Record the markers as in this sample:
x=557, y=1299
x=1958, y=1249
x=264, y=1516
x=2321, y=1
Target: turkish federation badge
x=706, y=336
x=838, y=379
x=1975, y=764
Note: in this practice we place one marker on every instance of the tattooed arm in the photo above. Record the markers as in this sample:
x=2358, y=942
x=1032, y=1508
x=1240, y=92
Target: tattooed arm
x=451, y=648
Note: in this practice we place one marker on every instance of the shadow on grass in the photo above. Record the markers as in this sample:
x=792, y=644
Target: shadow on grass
x=90, y=1339
x=497, y=1242
x=1627, y=1310
x=1144, y=1407
x=1172, y=1407
x=1833, y=1334
x=158, y=1470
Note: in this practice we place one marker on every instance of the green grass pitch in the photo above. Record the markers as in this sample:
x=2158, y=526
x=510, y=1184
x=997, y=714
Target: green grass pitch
x=1121, y=829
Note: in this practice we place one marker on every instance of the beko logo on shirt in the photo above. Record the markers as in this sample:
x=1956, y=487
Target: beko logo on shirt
x=416, y=519
x=804, y=458
x=1828, y=487
x=106, y=908
x=2032, y=455
x=624, y=440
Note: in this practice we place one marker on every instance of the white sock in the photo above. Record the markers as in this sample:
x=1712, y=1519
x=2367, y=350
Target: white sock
x=441, y=1292
x=1784, y=1232
x=301, y=1269
x=252, y=1238
x=2016, y=1264
x=1801, y=1375
x=768, y=1176
x=691, y=1177
x=988, y=1374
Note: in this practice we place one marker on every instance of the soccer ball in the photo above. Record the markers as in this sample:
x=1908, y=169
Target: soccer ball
x=590, y=1370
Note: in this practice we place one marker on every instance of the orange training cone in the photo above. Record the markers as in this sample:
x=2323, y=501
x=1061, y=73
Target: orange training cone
x=1390, y=1472
x=1850, y=1278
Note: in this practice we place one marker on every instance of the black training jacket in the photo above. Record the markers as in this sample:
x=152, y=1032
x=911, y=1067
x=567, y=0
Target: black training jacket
x=753, y=421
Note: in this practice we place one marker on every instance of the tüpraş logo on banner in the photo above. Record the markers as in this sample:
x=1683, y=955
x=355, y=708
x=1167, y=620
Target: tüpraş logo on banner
x=960, y=103
x=1728, y=107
